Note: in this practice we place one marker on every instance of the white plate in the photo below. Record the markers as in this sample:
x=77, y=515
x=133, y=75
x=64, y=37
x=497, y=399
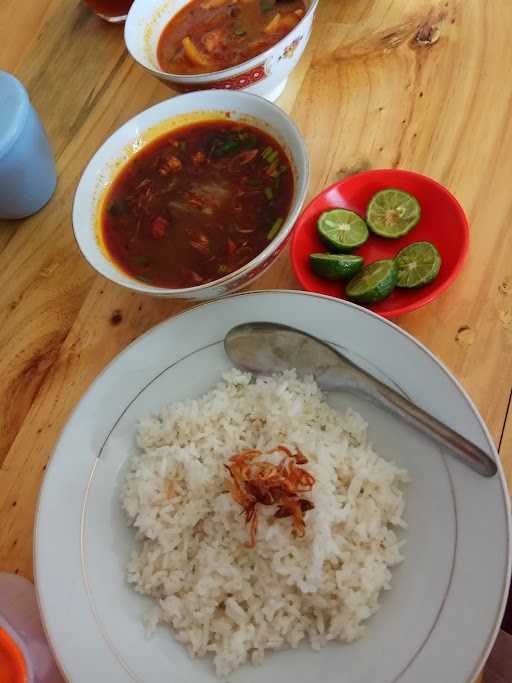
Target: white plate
x=438, y=622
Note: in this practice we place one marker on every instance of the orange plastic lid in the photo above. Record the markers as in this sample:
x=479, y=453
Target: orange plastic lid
x=12, y=663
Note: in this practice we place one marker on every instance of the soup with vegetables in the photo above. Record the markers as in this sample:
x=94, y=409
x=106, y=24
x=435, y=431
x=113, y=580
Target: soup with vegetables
x=209, y=35
x=197, y=203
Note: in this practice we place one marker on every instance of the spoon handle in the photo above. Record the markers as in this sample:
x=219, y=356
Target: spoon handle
x=461, y=447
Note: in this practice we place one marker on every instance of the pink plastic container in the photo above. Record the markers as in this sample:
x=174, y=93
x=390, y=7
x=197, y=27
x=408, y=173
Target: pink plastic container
x=24, y=652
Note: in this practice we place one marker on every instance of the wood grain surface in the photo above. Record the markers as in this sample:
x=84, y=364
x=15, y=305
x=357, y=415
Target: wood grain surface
x=419, y=84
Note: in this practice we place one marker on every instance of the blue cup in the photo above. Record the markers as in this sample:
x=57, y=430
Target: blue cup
x=27, y=168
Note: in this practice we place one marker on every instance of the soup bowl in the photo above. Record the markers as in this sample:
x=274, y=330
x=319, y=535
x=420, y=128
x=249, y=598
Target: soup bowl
x=265, y=74
x=150, y=125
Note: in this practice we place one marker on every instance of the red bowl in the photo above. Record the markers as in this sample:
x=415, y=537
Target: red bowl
x=443, y=222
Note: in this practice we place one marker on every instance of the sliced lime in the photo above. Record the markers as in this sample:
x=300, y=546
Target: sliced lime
x=393, y=213
x=418, y=264
x=375, y=282
x=342, y=230
x=335, y=266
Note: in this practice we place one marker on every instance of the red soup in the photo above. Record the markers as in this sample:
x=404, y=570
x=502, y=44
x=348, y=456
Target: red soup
x=210, y=35
x=197, y=203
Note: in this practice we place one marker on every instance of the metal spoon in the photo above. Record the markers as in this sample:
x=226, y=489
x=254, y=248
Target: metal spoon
x=265, y=348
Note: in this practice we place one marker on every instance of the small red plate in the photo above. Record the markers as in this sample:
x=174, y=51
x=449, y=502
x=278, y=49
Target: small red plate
x=443, y=222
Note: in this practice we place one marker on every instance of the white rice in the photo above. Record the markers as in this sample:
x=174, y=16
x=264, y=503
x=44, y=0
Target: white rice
x=237, y=603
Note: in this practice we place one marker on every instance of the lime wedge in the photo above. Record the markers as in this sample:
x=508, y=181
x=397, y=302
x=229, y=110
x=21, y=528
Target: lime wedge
x=392, y=213
x=335, y=266
x=342, y=230
x=375, y=282
x=418, y=264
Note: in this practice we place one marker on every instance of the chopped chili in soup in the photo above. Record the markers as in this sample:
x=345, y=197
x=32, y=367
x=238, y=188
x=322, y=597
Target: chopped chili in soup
x=197, y=203
x=210, y=35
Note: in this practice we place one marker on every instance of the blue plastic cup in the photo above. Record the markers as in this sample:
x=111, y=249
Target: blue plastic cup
x=27, y=167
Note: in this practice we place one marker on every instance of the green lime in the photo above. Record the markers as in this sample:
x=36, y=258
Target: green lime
x=375, y=282
x=418, y=264
x=393, y=213
x=342, y=230
x=336, y=266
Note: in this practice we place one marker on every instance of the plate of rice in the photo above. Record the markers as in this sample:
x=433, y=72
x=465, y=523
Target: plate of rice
x=197, y=523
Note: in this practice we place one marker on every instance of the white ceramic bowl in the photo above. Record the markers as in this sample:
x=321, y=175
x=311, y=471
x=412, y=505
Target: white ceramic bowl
x=149, y=125
x=439, y=620
x=265, y=75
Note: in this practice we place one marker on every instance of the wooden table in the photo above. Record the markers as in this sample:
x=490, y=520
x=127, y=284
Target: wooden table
x=420, y=84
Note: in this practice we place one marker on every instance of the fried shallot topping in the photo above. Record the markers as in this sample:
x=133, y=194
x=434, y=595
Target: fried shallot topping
x=262, y=482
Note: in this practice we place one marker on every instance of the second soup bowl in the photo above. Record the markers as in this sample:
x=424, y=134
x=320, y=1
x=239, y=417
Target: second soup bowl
x=265, y=74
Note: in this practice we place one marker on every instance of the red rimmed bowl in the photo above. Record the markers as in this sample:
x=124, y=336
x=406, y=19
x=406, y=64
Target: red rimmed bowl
x=264, y=74
x=443, y=222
